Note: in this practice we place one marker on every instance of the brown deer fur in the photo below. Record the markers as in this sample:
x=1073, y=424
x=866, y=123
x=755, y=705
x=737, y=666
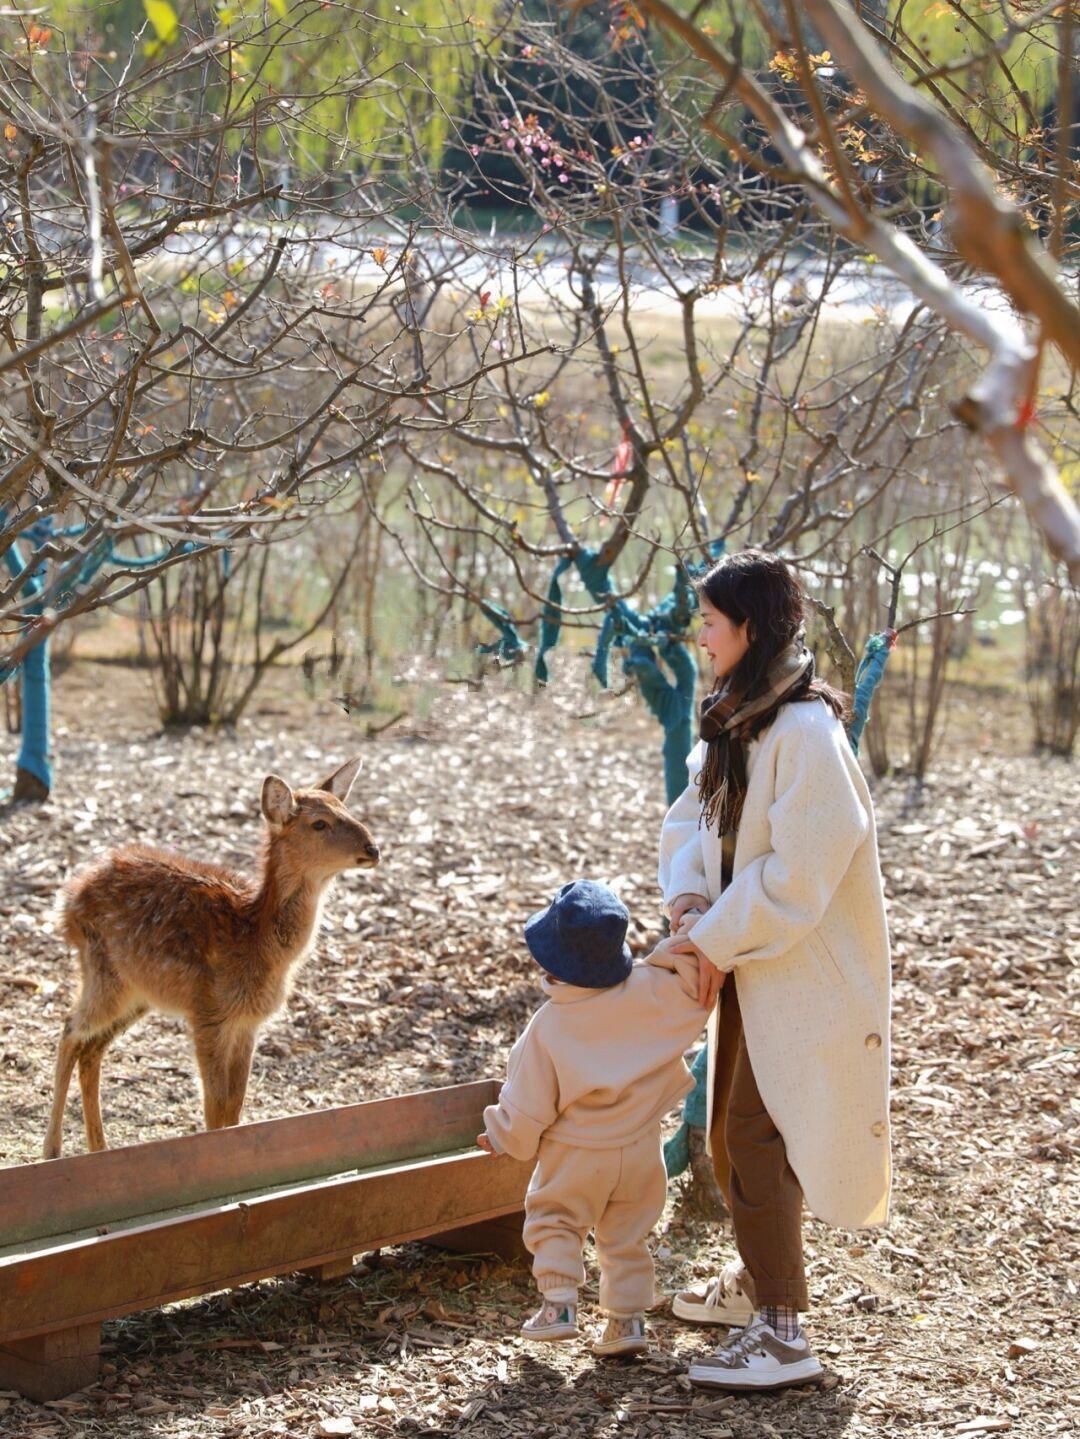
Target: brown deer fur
x=156, y=930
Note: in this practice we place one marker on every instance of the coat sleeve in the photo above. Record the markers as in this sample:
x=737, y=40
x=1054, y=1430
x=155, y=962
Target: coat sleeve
x=528, y=1101
x=816, y=823
x=682, y=861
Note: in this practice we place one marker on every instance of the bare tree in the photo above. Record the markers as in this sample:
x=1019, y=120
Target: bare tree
x=723, y=369
x=204, y=316
x=989, y=233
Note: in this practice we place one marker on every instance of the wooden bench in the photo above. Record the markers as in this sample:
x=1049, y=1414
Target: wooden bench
x=95, y=1236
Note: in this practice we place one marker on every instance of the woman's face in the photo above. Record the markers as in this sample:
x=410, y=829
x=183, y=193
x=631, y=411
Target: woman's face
x=721, y=638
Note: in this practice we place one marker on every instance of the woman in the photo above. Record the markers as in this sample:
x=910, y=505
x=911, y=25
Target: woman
x=769, y=868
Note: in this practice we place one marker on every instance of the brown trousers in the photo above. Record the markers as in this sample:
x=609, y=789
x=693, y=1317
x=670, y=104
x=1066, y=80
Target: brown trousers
x=752, y=1169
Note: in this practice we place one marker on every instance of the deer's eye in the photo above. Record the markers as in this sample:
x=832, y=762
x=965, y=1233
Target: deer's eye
x=320, y=824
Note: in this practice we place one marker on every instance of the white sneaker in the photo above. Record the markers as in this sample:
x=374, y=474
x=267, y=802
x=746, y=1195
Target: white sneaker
x=552, y=1322
x=622, y=1336
x=756, y=1358
x=723, y=1300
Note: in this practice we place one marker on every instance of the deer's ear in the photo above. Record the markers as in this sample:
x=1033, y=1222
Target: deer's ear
x=278, y=804
x=341, y=781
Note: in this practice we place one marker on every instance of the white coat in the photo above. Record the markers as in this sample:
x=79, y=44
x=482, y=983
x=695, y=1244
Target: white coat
x=802, y=924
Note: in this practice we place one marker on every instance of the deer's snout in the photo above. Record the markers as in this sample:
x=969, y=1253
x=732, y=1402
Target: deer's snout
x=367, y=853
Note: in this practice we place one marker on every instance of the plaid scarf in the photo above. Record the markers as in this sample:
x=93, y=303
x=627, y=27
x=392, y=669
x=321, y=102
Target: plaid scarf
x=727, y=717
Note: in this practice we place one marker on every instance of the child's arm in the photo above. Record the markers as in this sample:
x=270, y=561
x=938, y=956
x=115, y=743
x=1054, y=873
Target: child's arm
x=528, y=1102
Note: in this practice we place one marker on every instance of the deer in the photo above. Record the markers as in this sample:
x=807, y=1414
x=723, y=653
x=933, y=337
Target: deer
x=154, y=929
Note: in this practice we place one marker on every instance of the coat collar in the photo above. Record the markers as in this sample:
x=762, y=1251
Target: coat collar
x=560, y=993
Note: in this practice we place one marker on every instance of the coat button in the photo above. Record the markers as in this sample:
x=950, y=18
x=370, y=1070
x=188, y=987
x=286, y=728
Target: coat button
x=878, y=1129
x=873, y=1041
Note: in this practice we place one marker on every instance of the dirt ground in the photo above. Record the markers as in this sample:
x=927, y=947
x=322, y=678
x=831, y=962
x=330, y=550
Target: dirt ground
x=957, y=1319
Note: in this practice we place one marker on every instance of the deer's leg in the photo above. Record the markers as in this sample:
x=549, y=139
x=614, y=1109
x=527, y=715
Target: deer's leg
x=90, y=1055
x=103, y=1000
x=66, y=1056
x=212, y=1054
x=237, y=1070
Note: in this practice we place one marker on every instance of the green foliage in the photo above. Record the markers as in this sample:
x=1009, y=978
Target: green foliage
x=162, y=17
x=380, y=79
x=1000, y=99
x=736, y=29
x=358, y=87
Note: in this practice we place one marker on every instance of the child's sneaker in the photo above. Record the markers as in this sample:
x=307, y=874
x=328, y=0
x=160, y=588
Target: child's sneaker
x=622, y=1336
x=755, y=1358
x=552, y=1322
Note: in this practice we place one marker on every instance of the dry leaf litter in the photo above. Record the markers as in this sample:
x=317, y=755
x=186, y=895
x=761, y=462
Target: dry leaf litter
x=959, y=1319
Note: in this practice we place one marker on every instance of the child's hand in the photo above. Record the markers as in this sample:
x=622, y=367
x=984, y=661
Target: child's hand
x=484, y=1143
x=671, y=944
x=693, y=905
x=710, y=979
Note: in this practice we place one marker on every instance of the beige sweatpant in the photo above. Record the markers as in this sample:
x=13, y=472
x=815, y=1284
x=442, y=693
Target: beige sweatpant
x=617, y=1192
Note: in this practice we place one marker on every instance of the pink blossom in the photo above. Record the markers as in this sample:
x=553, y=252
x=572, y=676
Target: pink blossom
x=511, y=143
x=506, y=124
x=563, y=178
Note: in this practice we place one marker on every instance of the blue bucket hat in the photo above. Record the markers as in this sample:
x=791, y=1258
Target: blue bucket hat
x=581, y=937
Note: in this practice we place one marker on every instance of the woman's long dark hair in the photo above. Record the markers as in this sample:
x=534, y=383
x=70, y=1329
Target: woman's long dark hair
x=761, y=590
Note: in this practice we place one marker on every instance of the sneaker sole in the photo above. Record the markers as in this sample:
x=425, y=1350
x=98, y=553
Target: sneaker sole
x=804, y=1372
x=621, y=1346
x=712, y=1313
x=553, y=1334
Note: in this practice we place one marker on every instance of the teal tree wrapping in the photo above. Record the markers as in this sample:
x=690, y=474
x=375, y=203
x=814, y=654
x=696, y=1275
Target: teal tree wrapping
x=34, y=750
x=596, y=578
x=34, y=753
x=868, y=676
x=509, y=647
x=653, y=643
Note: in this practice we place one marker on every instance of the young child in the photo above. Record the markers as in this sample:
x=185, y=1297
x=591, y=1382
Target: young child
x=587, y=1084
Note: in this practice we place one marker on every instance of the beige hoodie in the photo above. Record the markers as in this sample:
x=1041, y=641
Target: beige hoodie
x=596, y=1067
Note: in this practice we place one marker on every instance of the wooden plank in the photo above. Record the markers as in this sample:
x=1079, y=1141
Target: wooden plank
x=103, y=1277
x=335, y=1269
x=51, y=1365
x=500, y=1236
x=57, y=1196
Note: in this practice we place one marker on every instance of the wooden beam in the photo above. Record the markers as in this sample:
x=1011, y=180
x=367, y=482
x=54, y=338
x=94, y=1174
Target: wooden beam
x=501, y=1236
x=51, y=1365
x=84, y=1191
x=335, y=1269
x=101, y=1277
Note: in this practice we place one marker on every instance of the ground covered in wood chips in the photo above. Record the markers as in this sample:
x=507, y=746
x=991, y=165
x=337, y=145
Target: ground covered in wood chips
x=959, y=1319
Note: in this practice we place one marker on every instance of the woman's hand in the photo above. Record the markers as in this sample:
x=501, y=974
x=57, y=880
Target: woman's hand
x=710, y=979
x=684, y=904
x=484, y=1143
